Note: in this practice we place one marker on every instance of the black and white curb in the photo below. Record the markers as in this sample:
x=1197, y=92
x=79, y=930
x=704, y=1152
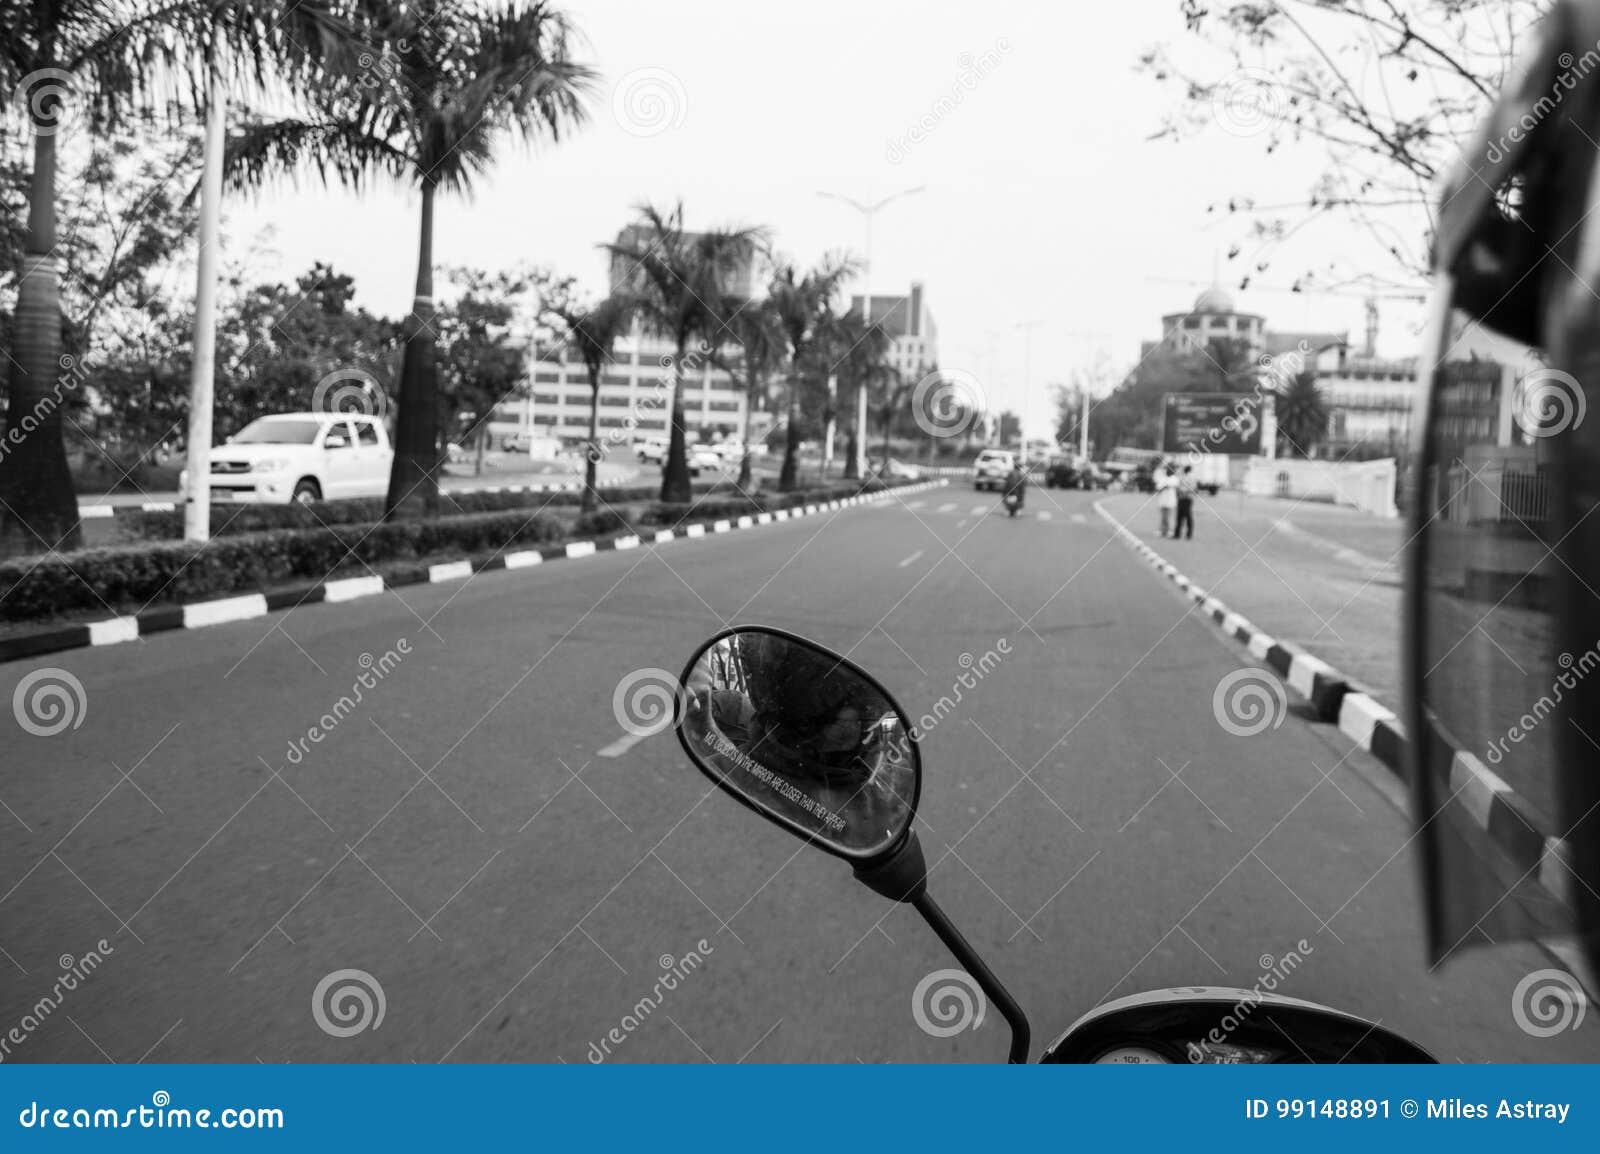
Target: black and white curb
x=116, y=630
x=1492, y=804
x=101, y=511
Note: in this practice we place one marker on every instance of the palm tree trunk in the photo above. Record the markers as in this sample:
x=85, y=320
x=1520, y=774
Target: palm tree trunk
x=744, y=434
x=787, y=478
x=852, y=465
x=414, y=477
x=675, y=473
x=40, y=509
x=591, y=491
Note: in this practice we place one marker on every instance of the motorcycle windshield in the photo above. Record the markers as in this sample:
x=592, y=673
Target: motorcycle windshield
x=1504, y=664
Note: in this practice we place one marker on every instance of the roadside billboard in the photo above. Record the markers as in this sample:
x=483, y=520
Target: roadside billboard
x=1227, y=424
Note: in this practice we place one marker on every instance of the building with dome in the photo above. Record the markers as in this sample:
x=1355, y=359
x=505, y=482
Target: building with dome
x=1212, y=318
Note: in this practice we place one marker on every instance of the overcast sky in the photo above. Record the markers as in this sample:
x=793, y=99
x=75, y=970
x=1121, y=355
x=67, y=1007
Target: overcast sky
x=1044, y=200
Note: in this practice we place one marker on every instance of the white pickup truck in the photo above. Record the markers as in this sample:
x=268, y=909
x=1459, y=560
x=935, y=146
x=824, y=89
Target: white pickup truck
x=302, y=457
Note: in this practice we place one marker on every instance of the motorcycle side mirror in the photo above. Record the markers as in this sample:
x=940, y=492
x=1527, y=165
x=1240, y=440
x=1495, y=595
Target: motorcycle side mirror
x=812, y=742
x=803, y=737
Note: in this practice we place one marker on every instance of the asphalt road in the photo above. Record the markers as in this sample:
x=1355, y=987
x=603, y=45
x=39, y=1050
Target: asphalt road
x=482, y=838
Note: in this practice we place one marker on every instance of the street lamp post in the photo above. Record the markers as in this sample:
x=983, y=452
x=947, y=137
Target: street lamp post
x=868, y=210
x=1027, y=328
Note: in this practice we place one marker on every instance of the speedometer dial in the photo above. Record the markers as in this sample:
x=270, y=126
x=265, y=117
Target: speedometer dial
x=1132, y=1056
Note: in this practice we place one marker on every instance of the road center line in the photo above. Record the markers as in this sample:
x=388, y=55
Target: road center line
x=620, y=746
x=910, y=559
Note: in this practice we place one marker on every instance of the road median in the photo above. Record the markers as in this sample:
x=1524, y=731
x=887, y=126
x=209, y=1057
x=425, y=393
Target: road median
x=112, y=596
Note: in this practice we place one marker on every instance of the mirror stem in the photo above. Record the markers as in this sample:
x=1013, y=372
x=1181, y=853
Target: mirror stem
x=901, y=875
x=973, y=964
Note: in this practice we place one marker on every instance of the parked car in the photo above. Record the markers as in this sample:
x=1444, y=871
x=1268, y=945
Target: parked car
x=893, y=469
x=990, y=469
x=301, y=457
x=518, y=442
x=651, y=450
x=1093, y=476
x=1060, y=473
x=705, y=459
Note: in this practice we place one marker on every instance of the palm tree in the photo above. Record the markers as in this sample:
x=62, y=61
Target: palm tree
x=858, y=350
x=758, y=330
x=1231, y=362
x=804, y=305
x=430, y=113
x=1302, y=417
x=100, y=59
x=593, y=332
x=686, y=277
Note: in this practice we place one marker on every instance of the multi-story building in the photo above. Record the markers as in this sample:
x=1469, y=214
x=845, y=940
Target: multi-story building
x=635, y=392
x=636, y=388
x=1212, y=318
x=908, y=320
x=1369, y=401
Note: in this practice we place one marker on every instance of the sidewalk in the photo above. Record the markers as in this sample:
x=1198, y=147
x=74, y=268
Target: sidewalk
x=1323, y=578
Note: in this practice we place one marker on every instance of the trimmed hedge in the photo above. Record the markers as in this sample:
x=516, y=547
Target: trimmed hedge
x=149, y=573
x=230, y=520
x=132, y=577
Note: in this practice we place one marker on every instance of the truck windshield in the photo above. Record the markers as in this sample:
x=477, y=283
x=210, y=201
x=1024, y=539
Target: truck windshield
x=278, y=432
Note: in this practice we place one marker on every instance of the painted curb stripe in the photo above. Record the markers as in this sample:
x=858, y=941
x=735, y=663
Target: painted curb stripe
x=221, y=612
x=449, y=571
x=114, y=632
x=349, y=588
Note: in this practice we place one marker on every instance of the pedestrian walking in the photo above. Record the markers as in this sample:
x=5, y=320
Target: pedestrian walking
x=1184, y=526
x=1166, y=497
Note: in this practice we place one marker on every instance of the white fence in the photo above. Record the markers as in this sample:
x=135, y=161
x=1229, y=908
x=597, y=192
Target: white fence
x=1364, y=485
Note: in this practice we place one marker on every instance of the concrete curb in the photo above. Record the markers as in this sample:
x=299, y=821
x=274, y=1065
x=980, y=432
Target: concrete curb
x=1503, y=816
x=99, y=512
x=117, y=630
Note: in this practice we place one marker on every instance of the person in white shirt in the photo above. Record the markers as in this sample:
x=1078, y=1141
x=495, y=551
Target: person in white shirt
x=1166, y=496
x=1185, y=487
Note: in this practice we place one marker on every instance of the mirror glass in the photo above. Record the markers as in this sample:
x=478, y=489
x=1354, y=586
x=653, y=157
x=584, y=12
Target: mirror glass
x=1491, y=674
x=804, y=737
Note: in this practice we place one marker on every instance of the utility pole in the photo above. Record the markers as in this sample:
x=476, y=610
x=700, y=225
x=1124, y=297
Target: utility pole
x=202, y=372
x=1027, y=328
